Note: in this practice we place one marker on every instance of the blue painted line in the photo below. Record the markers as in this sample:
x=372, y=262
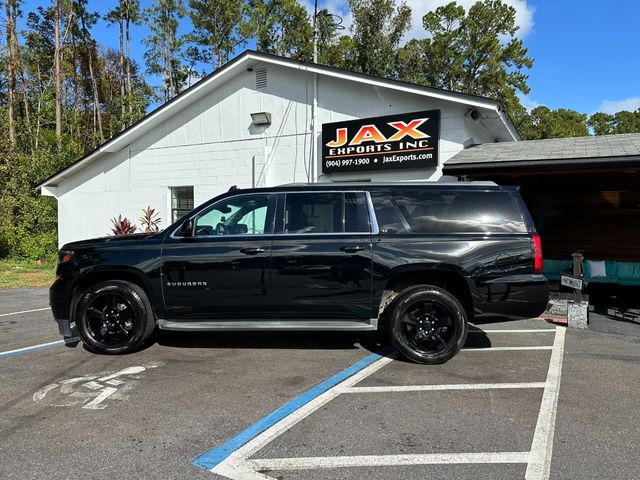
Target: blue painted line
x=23, y=351
x=210, y=459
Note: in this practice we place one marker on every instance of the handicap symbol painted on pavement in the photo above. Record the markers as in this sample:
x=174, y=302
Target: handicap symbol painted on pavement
x=92, y=391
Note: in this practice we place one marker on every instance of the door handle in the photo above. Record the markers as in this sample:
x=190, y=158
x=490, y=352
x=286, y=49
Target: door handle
x=251, y=251
x=351, y=249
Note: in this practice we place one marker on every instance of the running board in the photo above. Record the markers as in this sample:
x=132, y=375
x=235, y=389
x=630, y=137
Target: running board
x=266, y=325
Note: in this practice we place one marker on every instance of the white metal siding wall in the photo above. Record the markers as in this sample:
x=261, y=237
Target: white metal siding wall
x=210, y=144
x=477, y=132
x=88, y=200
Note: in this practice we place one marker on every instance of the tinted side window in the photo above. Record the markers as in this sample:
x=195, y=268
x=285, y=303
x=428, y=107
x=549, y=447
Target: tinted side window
x=446, y=211
x=242, y=215
x=433, y=211
x=356, y=213
x=325, y=213
x=388, y=215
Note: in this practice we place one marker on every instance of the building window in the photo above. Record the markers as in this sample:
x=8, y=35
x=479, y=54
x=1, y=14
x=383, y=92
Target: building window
x=181, y=202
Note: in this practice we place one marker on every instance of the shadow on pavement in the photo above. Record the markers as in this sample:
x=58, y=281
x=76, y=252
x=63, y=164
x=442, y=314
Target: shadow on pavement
x=371, y=341
x=276, y=340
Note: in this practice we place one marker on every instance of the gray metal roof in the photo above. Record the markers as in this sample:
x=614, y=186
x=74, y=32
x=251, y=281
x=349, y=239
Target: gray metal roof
x=557, y=150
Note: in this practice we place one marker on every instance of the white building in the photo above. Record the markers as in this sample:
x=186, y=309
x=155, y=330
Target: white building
x=205, y=140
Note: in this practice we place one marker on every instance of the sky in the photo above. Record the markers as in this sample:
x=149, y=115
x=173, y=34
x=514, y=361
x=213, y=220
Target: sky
x=585, y=51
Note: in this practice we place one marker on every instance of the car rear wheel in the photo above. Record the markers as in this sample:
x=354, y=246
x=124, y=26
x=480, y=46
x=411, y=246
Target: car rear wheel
x=427, y=324
x=114, y=317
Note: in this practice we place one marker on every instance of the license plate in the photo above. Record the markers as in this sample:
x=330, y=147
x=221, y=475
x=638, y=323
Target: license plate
x=571, y=282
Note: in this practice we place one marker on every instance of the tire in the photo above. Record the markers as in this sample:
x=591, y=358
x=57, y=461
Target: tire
x=427, y=324
x=114, y=317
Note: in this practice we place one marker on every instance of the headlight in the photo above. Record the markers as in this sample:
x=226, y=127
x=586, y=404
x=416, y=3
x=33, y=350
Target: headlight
x=64, y=256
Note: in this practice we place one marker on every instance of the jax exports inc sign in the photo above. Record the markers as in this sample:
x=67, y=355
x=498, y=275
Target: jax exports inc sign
x=407, y=140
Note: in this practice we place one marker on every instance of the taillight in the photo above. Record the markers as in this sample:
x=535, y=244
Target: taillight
x=537, y=253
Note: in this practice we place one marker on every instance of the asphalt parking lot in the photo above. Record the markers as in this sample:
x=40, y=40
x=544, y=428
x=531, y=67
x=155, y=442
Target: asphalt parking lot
x=522, y=400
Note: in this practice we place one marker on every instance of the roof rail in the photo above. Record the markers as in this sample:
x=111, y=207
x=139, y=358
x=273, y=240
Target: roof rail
x=397, y=182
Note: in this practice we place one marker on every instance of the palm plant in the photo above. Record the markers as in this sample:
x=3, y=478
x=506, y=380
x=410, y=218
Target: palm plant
x=150, y=220
x=122, y=226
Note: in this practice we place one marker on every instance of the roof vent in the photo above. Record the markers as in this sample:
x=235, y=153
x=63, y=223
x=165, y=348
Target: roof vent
x=261, y=77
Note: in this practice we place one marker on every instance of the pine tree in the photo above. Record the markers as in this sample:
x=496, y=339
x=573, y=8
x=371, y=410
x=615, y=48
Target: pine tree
x=162, y=55
x=11, y=47
x=131, y=14
x=116, y=16
x=378, y=28
x=472, y=51
x=281, y=27
x=217, y=29
x=87, y=20
x=57, y=68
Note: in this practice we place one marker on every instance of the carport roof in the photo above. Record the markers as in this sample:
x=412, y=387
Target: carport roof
x=599, y=151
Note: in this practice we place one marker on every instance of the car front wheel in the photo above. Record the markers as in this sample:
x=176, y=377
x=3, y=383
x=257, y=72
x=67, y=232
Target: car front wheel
x=114, y=317
x=427, y=324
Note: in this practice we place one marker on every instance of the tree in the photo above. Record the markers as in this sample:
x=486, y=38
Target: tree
x=216, y=33
x=473, y=52
x=65, y=90
x=124, y=14
x=627, y=122
x=117, y=16
x=163, y=44
x=378, y=28
x=87, y=20
x=543, y=122
x=333, y=49
x=601, y=123
x=57, y=73
x=620, y=122
x=281, y=27
x=11, y=49
x=410, y=64
x=131, y=14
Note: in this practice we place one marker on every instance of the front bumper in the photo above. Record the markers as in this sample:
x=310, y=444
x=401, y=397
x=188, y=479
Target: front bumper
x=60, y=297
x=66, y=328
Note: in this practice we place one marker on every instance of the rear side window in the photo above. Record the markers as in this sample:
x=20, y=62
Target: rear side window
x=388, y=215
x=356, y=213
x=330, y=212
x=449, y=211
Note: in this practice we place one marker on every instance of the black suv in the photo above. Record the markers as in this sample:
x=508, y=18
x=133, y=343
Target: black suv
x=417, y=259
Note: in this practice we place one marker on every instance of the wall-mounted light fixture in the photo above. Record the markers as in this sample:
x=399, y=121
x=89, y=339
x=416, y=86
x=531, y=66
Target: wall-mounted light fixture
x=261, y=118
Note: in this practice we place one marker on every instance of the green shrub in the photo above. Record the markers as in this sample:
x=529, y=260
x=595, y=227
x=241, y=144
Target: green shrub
x=28, y=221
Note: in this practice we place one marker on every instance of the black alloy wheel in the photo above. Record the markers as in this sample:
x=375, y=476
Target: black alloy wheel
x=427, y=325
x=110, y=319
x=114, y=317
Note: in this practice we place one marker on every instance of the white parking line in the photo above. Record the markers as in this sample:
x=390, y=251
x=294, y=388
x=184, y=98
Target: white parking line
x=431, y=388
x=306, y=463
x=539, y=466
x=524, y=330
x=239, y=465
x=24, y=311
x=506, y=349
x=33, y=348
x=234, y=466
